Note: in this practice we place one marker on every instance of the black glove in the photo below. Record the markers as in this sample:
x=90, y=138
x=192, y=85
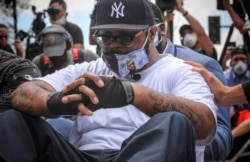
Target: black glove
x=55, y=105
x=115, y=93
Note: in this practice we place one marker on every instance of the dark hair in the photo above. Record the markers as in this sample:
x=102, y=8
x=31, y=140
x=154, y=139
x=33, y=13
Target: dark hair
x=238, y=50
x=61, y=2
x=3, y=26
x=183, y=28
x=158, y=16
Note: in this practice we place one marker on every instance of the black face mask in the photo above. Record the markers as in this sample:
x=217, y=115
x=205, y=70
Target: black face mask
x=59, y=61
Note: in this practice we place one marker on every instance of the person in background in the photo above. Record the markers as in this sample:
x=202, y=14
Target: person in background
x=193, y=34
x=59, y=51
x=227, y=56
x=220, y=147
x=237, y=74
x=242, y=25
x=4, y=35
x=57, y=12
x=116, y=115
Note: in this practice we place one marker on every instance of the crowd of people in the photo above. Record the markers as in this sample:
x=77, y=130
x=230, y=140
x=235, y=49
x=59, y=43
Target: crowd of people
x=120, y=108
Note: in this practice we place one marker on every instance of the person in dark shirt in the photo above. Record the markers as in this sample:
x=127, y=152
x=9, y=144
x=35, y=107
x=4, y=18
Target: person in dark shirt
x=57, y=13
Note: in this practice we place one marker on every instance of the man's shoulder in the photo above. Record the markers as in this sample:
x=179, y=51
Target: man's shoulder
x=227, y=73
x=86, y=55
x=70, y=25
x=190, y=55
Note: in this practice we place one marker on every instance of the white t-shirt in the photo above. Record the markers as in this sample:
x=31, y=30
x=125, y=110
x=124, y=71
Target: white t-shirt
x=108, y=128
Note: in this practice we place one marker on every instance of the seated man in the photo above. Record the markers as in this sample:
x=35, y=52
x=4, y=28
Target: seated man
x=133, y=118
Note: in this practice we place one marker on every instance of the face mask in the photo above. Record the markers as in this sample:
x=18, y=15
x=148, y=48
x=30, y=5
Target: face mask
x=60, y=21
x=240, y=68
x=59, y=61
x=123, y=64
x=189, y=40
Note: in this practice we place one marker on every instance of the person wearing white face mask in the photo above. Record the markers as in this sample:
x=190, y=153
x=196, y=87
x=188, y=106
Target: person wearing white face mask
x=193, y=35
x=57, y=14
x=237, y=74
x=239, y=71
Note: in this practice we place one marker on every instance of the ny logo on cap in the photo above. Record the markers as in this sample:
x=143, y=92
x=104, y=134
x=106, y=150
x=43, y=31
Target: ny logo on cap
x=118, y=10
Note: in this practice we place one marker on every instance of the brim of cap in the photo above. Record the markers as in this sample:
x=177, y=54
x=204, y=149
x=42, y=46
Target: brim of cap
x=121, y=26
x=54, y=51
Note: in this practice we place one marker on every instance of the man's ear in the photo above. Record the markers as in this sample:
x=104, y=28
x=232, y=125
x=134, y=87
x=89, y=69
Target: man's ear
x=152, y=32
x=162, y=28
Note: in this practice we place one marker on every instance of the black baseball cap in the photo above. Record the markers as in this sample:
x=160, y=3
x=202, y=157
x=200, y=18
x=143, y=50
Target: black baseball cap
x=123, y=14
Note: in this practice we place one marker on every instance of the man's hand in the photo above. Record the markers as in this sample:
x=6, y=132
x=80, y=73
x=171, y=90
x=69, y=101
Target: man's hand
x=68, y=101
x=91, y=92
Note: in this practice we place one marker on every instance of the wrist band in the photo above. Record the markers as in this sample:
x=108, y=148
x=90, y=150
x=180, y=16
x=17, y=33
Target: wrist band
x=185, y=13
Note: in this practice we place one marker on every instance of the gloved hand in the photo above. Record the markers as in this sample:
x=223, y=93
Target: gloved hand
x=115, y=93
x=56, y=106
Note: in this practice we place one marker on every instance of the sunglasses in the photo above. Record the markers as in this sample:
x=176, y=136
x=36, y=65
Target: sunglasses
x=125, y=40
x=3, y=36
x=53, y=11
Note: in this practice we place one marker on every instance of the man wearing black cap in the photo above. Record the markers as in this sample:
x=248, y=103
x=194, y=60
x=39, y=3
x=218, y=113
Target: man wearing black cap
x=158, y=111
x=58, y=50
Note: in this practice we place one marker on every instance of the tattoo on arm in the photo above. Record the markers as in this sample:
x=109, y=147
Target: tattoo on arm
x=29, y=96
x=161, y=104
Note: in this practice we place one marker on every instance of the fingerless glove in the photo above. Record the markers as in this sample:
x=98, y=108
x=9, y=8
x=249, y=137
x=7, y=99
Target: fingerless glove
x=115, y=93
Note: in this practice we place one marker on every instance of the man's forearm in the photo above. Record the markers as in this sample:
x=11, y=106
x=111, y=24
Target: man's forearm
x=232, y=96
x=31, y=97
x=152, y=102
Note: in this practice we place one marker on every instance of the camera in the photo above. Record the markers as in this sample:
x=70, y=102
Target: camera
x=32, y=46
x=53, y=11
x=166, y=5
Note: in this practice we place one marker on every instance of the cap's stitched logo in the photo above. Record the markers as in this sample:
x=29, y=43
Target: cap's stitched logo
x=51, y=40
x=118, y=10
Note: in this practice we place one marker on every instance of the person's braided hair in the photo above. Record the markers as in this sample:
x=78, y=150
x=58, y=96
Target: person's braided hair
x=14, y=70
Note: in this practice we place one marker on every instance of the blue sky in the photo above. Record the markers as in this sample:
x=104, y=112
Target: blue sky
x=80, y=10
